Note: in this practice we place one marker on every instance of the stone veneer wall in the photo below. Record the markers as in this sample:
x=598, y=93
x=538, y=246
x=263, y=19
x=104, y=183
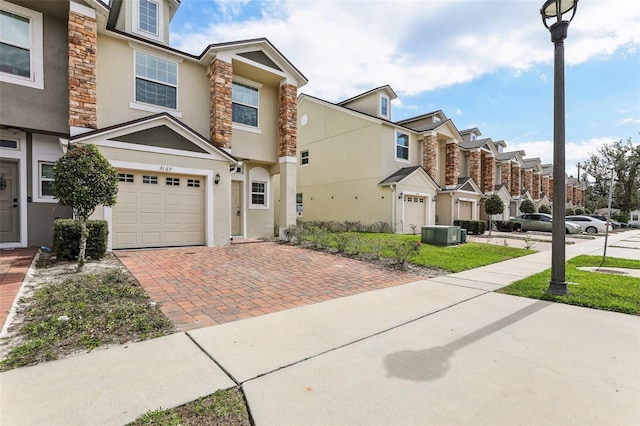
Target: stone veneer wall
x=536, y=186
x=489, y=166
x=528, y=182
x=287, y=121
x=429, y=154
x=550, y=194
x=568, y=192
x=545, y=185
x=516, y=188
x=506, y=175
x=475, y=170
x=451, y=169
x=83, y=42
x=575, y=195
x=220, y=99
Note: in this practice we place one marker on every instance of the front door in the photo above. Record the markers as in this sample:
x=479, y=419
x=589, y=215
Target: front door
x=236, y=208
x=9, y=212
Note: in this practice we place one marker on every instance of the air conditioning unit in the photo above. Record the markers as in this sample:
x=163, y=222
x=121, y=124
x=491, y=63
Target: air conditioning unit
x=440, y=235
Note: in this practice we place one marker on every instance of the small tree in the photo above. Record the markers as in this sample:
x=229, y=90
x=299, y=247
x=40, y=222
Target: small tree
x=527, y=206
x=84, y=179
x=493, y=205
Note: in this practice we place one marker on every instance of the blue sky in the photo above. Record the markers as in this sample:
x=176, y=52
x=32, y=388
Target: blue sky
x=485, y=64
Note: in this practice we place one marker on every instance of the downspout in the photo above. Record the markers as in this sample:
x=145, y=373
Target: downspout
x=393, y=207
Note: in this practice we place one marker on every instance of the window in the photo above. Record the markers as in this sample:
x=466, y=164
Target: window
x=172, y=181
x=125, y=177
x=46, y=177
x=156, y=81
x=148, y=16
x=402, y=146
x=436, y=119
x=8, y=143
x=304, y=158
x=21, y=57
x=384, y=106
x=258, y=193
x=245, y=104
x=193, y=183
x=473, y=136
x=152, y=180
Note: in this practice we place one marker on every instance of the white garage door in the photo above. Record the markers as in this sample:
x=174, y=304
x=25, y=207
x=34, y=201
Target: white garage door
x=414, y=213
x=466, y=210
x=158, y=210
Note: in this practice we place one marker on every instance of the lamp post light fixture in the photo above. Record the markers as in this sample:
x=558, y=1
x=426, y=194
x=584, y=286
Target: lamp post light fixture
x=553, y=12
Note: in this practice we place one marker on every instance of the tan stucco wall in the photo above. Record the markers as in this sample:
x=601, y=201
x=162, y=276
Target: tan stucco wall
x=367, y=104
x=116, y=86
x=443, y=209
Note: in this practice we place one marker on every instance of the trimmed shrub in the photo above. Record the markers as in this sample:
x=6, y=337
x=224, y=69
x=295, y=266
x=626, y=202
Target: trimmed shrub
x=527, y=206
x=578, y=210
x=473, y=227
x=66, y=238
x=569, y=211
x=544, y=208
x=504, y=225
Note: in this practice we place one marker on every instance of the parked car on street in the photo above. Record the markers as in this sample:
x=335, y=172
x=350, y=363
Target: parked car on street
x=541, y=222
x=615, y=224
x=589, y=224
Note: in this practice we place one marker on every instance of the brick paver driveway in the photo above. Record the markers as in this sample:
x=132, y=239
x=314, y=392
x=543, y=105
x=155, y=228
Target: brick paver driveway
x=202, y=286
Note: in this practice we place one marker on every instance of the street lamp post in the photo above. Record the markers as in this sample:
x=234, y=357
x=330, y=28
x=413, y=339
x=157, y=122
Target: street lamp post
x=557, y=9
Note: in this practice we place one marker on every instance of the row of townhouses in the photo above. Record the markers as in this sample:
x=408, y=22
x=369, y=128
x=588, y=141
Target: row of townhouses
x=217, y=145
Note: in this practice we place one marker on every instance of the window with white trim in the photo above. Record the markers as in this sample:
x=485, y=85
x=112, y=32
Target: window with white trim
x=304, y=158
x=402, y=146
x=156, y=81
x=258, y=193
x=126, y=177
x=384, y=106
x=21, y=51
x=245, y=103
x=170, y=181
x=148, y=16
x=45, y=179
x=151, y=180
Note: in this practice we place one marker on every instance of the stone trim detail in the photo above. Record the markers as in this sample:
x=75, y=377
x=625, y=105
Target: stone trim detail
x=83, y=71
x=429, y=154
x=475, y=170
x=528, y=182
x=451, y=168
x=516, y=186
x=220, y=100
x=550, y=194
x=489, y=170
x=536, y=186
x=545, y=185
x=506, y=175
x=287, y=121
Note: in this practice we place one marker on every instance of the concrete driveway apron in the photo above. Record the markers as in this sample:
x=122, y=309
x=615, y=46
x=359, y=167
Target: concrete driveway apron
x=203, y=286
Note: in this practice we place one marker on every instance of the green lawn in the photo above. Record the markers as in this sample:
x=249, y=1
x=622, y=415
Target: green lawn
x=449, y=258
x=609, y=292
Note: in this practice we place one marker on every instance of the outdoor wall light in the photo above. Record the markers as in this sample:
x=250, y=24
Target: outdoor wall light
x=553, y=12
x=216, y=180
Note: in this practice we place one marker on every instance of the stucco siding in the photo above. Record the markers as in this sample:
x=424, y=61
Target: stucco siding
x=116, y=86
x=42, y=109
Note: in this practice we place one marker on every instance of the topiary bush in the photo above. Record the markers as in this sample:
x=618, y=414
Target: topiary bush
x=544, y=208
x=66, y=239
x=473, y=227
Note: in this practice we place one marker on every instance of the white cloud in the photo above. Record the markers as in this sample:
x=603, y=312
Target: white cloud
x=628, y=120
x=457, y=111
x=345, y=47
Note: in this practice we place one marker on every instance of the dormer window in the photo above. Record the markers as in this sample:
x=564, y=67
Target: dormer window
x=384, y=106
x=436, y=119
x=147, y=18
x=473, y=136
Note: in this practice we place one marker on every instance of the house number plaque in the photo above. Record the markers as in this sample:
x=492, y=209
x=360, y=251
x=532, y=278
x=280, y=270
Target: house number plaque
x=165, y=168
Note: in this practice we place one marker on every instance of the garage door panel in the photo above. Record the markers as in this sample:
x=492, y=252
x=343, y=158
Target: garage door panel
x=148, y=215
x=150, y=199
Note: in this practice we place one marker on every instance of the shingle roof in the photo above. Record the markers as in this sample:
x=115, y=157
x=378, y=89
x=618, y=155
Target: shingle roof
x=478, y=143
x=399, y=175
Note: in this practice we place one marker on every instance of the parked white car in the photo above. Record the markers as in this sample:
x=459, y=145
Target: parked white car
x=589, y=224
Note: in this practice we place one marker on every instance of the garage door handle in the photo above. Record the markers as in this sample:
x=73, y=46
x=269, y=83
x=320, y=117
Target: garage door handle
x=238, y=213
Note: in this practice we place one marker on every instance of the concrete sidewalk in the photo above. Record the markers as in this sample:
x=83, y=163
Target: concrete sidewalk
x=444, y=350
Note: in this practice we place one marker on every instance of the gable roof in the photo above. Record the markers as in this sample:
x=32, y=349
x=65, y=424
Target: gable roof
x=386, y=89
x=405, y=173
x=141, y=131
x=478, y=143
x=511, y=155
